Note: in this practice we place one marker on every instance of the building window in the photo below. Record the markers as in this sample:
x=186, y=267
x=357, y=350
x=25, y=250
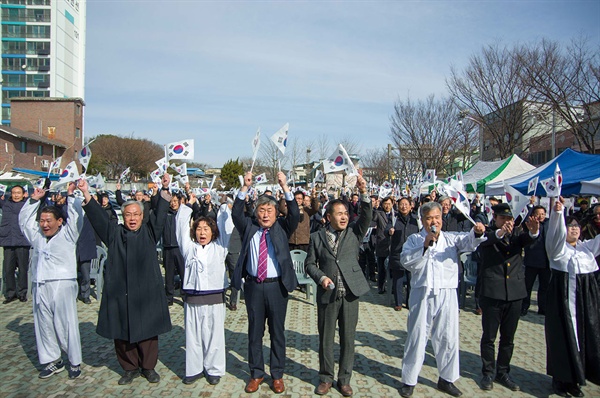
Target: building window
x=40, y=150
x=77, y=132
x=23, y=146
x=78, y=110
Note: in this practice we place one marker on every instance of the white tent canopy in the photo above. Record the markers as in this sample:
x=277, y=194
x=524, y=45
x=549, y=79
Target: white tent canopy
x=482, y=172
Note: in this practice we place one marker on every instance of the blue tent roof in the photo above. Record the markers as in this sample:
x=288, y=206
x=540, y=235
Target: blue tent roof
x=53, y=177
x=574, y=166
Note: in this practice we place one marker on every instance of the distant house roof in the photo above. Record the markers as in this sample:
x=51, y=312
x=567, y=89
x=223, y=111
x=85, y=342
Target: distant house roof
x=47, y=99
x=29, y=136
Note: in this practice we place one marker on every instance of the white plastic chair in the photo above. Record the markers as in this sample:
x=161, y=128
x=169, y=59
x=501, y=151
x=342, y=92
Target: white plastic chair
x=298, y=258
x=97, y=270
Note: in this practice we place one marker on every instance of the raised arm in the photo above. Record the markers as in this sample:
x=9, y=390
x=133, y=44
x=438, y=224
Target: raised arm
x=75, y=215
x=556, y=233
x=182, y=229
x=366, y=208
x=27, y=222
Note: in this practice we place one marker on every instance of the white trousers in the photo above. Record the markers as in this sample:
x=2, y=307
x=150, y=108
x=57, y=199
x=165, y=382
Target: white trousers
x=55, y=320
x=437, y=314
x=204, y=339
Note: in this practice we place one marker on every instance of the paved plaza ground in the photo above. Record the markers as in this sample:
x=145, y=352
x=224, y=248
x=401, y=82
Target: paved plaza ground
x=379, y=346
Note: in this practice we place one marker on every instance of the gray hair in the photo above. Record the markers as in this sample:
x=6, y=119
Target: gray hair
x=265, y=200
x=133, y=202
x=427, y=207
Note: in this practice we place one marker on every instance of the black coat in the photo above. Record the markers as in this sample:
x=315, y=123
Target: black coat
x=383, y=222
x=86, y=244
x=535, y=253
x=10, y=232
x=403, y=228
x=280, y=233
x=455, y=221
x=134, y=305
x=501, y=268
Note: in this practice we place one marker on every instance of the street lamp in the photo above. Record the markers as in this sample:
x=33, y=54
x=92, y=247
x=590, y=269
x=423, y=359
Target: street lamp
x=466, y=114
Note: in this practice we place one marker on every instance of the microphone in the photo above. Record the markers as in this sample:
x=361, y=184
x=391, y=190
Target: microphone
x=331, y=286
x=433, y=231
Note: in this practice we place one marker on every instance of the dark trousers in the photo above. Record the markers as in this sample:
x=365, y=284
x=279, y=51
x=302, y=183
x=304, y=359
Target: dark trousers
x=299, y=247
x=503, y=315
x=173, y=262
x=230, y=262
x=132, y=356
x=397, y=276
x=344, y=313
x=16, y=257
x=83, y=279
x=367, y=262
x=544, y=280
x=381, y=273
x=266, y=302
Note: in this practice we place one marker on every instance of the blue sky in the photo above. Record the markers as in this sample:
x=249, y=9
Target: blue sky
x=215, y=71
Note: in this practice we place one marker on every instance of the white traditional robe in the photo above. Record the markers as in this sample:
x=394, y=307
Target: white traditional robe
x=433, y=303
x=54, y=283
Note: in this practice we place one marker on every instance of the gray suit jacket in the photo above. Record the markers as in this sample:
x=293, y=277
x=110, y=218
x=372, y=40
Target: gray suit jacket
x=321, y=261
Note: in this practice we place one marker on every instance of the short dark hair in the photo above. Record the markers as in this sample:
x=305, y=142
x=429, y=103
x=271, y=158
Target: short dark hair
x=52, y=210
x=211, y=224
x=332, y=204
x=570, y=219
x=299, y=193
x=386, y=199
x=409, y=200
x=537, y=207
x=18, y=186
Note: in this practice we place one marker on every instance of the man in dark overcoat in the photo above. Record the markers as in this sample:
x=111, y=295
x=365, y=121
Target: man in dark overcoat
x=332, y=262
x=133, y=309
x=266, y=265
x=16, y=246
x=502, y=293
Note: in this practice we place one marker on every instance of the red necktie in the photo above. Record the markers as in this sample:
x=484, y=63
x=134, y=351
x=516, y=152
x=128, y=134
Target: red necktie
x=263, y=253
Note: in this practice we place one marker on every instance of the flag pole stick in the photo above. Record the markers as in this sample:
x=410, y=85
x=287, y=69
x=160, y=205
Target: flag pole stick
x=166, y=165
x=252, y=167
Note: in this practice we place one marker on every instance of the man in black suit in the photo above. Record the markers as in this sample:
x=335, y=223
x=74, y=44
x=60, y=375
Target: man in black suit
x=267, y=268
x=332, y=262
x=502, y=292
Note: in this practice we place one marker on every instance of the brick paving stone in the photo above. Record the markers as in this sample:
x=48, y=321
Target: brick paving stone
x=380, y=336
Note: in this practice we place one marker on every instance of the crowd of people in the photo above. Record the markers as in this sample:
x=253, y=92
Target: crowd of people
x=241, y=242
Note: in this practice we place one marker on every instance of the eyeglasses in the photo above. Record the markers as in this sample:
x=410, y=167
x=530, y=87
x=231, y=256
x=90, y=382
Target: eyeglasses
x=573, y=225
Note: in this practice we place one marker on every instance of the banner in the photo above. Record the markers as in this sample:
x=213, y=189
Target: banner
x=516, y=200
x=84, y=158
x=261, y=179
x=181, y=150
x=125, y=173
x=429, y=176
x=255, y=145
x=70, y=173
x=280, y=138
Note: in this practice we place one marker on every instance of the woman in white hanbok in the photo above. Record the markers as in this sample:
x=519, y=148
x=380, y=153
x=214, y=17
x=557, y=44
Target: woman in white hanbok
x=573, y=307
x=204, y=285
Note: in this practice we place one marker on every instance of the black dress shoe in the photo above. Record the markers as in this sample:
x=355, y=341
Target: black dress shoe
x=574, y=390
x=151, y=375
x=406, y=390
x=448, y=388
x=192, y=379
x=213, y=380
x=128, y=377
x=507, y=382
x=9, y=300
x=487, y=383
x=559, y=388
x=23, y=299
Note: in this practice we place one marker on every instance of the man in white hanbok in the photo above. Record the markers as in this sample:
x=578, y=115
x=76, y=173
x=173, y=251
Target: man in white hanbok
x=432, y=258
x=54, y=281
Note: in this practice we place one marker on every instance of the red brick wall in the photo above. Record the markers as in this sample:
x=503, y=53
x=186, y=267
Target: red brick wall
x=15, y=158
x=26, y=115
